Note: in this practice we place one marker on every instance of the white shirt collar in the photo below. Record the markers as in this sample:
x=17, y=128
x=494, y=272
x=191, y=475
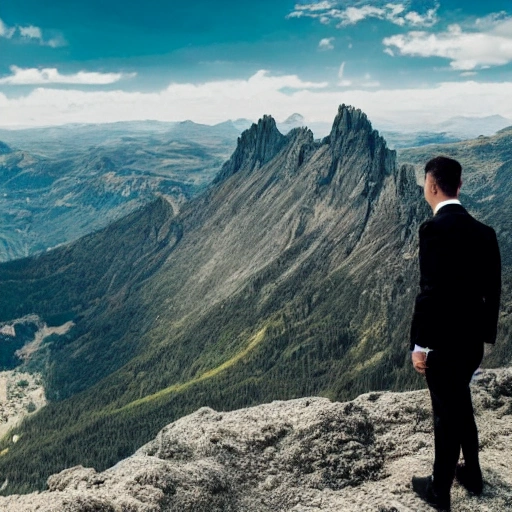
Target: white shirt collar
x=444, y=203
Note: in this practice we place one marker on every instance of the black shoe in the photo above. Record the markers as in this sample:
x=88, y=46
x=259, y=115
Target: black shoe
x=471, y=480
x=423, y=486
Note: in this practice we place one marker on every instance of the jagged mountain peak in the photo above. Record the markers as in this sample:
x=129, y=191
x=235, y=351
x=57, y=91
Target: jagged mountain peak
x=351, y=135
x=359, y=157
x=265, y=126
x=256, y=146
x=350, y=120
x=301, y=132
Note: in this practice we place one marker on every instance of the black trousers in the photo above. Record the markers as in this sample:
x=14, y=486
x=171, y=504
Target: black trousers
x=448, y=377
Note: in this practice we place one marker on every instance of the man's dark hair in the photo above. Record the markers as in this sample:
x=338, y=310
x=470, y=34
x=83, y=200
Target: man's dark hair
x=446, y=173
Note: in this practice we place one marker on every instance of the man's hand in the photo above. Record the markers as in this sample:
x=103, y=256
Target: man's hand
x=419, y=361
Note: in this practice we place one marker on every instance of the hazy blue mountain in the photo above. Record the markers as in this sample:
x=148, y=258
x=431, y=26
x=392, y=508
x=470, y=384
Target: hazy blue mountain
x=50, y=140
x=399, y=140
x=242, y=124
x=294, y=121
x=472, y=127
x=454, y=129
x=234, y=127
x=60, y=183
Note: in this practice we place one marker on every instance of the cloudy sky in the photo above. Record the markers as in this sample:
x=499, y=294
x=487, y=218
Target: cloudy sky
x=404, y=62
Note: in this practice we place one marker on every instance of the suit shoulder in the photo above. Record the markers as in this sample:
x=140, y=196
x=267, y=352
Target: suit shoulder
x=428, y=226
x=486, y=230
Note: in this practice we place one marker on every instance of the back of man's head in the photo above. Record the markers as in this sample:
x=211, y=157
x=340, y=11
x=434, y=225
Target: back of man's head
x=446, y=172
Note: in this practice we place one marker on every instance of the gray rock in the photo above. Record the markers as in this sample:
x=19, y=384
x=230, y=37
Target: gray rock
x=302, y=455
x=256, y=146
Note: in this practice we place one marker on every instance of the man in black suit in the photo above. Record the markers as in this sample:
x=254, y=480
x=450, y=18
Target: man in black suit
x=455, y=313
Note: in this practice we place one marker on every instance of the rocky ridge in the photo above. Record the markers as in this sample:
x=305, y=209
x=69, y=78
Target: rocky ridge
x=256, y=146
x=303, y=455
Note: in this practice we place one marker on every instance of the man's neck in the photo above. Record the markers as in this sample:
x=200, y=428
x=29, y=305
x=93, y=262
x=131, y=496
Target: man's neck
x=444, y=202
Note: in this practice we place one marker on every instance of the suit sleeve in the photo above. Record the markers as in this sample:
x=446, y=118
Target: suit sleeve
x=428, y=255
x=492, y=290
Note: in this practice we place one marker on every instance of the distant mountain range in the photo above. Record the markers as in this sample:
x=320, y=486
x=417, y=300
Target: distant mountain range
x=472, y=127
x=60, y=183
x=454, y=129
x=54, y=140
x=292, y=274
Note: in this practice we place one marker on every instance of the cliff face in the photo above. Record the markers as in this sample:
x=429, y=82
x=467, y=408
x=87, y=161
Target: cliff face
x=304, y=455
x=256, y=146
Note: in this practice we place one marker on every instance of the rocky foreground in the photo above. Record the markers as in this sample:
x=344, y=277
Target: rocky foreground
x=302, y=455
x=21, y=394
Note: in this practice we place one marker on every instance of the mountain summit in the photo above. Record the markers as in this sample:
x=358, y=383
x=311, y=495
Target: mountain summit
x=256, y=146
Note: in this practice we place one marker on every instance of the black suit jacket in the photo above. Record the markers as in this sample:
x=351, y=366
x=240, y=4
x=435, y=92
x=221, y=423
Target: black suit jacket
x=460, y=282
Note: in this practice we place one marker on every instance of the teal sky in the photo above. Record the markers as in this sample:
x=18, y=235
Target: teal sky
x=94, y=61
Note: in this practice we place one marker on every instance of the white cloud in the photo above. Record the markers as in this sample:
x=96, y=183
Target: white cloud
x=396, y=9
x=6, y=31
x=490, y=21
x=326, y=43
x=262, y=79
x=353, y=15
x=466, y=49
x=398, y=13
x=212, y=102
x=365, y=82
x=36, y=33
x=342, y=82
x=31, y=32
x=56, y=42
x=368, y=82
x=418, y=20
x=319, y=6
x=34, y=76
